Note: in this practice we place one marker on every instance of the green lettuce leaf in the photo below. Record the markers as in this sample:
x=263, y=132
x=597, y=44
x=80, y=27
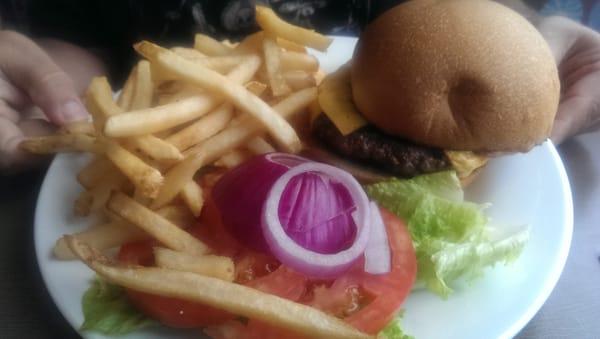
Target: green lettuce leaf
x=394, y=330
x=107, y=310
x=451, y=237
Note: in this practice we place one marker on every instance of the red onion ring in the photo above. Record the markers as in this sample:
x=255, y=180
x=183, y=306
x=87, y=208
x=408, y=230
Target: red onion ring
x=377, y=254
x=299, y=258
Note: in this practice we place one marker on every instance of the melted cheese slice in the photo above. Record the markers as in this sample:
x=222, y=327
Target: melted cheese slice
x=335, y=99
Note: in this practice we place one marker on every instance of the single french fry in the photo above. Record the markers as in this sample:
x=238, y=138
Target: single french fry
x=100, y=103
x=228, y=43
x=272, y=56
x=208, y=265
x=179, y=215
x=259, y=145
x=251, y=44
x=156, y=148
x=78, y=127
x=220, y=64
x=272, y=24
x=189, y=53
x=290, y=46
x=143, y=89
x=183, y=92
x=142, y=175
x=61, y=143
x=154, y=224
x=210, y=46
x=160, y=118
x=237, y=94
x=297, y=61
x=232, y=159
x=126, y=95
x=93, y=172
x=101, y=237
x=192, y=196
x=95, y=198
x=202, y=129
x=298, y=79
x=231, y=297
x=256, y=87
x=228, y=139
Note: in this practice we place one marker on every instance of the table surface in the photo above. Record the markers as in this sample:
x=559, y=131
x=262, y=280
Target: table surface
x=572, y=311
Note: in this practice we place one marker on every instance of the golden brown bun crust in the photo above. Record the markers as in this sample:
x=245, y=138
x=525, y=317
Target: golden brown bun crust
x=457, y=74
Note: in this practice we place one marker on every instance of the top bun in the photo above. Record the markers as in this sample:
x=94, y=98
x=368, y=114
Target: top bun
x=457, y=74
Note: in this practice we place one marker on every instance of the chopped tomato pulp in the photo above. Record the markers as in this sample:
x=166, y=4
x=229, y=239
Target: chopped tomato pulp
x=367, y=302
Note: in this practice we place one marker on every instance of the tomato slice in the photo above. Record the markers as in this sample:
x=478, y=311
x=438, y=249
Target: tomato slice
x=367, y=302
x=371, y=301
x=169, y=311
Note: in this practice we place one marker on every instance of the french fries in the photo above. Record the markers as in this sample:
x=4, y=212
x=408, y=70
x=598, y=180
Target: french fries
x=192, y=196
x=118, y=232
x=209, y=265
x=218, y=145
x=145, y=177
x=100, y=103
x=160, y=118
x=126, y=95
x=235, y=93
x=298, y=61
x=142, y=92
x=96, y=197
x=272, y=54
x=232, y=159
x=185, y=113
x=202, y=129
x=258, y=145
x=189, y=53
x=79, y=127
x=290, y=46
x=61, y=143
x=235, y=298
x=299, y=79
x=272, y=24
x=93, y=172
x=154, y=224
x=209, y=46
x=156, y=148
x=101, y=237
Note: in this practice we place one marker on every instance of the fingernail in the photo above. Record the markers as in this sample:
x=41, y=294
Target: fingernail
x=73, y=110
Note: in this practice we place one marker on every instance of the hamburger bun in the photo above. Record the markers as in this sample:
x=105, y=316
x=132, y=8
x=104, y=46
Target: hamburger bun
x=457, y=74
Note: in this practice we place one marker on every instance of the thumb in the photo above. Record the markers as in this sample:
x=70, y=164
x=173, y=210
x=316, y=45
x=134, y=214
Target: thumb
x=28, y=67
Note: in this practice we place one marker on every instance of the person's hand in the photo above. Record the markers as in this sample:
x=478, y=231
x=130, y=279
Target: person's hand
x=35, y=94
x=576, y=50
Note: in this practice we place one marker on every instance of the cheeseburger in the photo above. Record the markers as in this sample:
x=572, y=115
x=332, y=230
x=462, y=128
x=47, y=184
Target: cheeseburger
x=436, y=85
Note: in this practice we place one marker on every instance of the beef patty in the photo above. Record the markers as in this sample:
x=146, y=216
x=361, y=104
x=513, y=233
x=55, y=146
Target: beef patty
x=370, y=146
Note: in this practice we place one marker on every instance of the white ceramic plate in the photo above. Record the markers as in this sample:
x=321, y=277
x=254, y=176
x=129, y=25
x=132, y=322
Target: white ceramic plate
x=527, y=188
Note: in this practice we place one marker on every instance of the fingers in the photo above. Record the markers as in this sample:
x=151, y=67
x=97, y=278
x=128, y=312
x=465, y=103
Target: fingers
x=560, y=35
x=12, y=158
x=10, y=138
x=574, y=115
x=29, y=68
